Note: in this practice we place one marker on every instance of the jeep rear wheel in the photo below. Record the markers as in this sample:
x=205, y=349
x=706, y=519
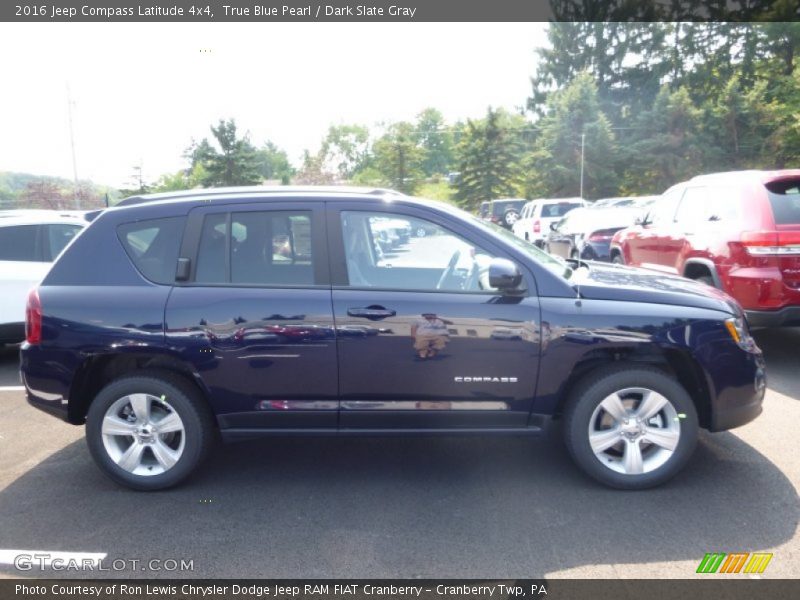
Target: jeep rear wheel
x=630, y=427
x=148, y=431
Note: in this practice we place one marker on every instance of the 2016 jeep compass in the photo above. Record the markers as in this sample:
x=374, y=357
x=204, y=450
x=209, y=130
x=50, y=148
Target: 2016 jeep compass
x=174, y=319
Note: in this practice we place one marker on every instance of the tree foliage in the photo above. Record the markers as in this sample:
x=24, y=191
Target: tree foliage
x=228, y=160
x=489, y=155
x=399, y=158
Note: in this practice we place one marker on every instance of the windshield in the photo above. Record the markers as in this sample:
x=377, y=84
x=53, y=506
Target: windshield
x=551, y=263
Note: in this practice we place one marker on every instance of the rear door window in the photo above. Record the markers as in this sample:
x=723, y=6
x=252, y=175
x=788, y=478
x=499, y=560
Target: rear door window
x=19, y=243
x=153, y=246
x=784, y=197
x=58, y=236
x=256, y=248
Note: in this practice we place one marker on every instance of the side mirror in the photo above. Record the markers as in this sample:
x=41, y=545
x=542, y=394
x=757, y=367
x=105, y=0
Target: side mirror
x=504, y=274
x=554, y=226
x=639, y=221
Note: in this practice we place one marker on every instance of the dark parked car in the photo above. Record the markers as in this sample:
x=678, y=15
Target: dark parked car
x=739, y=232
x=586, y=232
x=193, y=322
x=504, y=212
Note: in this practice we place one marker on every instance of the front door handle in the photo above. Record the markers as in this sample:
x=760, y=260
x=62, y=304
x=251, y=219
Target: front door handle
x=373, y=312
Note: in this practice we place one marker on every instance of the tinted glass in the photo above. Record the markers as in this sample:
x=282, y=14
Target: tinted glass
x=784, y=197
x=18, y=242
x=265, y=248
x=153, y=246
x=272, y=248
x=406, y=253
x=59, y=236
x=211, y=260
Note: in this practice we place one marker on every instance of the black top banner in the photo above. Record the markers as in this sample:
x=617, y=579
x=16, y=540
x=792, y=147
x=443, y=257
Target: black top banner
x=400, y=10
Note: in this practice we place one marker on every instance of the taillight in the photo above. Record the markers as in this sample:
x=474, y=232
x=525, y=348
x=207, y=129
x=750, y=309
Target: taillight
x=33, y=318
x=765, y=243
x=537, y=226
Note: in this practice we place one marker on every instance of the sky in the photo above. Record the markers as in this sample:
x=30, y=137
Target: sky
x=142, y=92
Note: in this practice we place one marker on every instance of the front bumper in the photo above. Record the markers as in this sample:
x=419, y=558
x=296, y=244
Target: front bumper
x=739, y=383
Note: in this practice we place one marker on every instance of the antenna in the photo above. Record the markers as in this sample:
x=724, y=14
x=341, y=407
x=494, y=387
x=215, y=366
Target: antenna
x=72, y=145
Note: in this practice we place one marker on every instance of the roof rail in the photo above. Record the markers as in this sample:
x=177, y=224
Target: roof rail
x=228, y=191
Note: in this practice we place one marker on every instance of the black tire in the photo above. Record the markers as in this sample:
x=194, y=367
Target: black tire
x=617, y=259
x=593, y=389
x=199, y=429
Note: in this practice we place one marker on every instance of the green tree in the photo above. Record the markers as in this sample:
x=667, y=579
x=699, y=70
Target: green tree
x=436, y=142
x=273, y=163
x=346, y=149
x=398, y=157
x=669, y=146
x=231, y=161
x=489, y=154
x=574, y=120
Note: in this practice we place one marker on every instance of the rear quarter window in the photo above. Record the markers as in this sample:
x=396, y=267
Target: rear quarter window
x=153, y=246
x=784, y=198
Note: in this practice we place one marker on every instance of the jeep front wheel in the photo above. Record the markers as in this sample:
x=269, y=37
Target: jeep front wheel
x=630, y=427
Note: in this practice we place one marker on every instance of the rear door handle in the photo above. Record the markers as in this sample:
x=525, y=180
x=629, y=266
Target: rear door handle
x=374, y=312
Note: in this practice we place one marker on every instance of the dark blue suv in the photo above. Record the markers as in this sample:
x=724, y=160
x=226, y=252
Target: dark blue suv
x=176, y=319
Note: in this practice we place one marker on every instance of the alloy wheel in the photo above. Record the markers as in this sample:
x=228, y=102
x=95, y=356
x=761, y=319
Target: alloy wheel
x=143, y=434
x=634, y=431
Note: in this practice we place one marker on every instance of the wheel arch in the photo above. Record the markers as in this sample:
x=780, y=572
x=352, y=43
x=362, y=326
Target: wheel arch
x=675, y=362
x=696, y=267
x=98, y=371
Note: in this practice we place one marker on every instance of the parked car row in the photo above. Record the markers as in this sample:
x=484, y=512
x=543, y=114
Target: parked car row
x=739, y=232
x=538, y=216
x=586, y=233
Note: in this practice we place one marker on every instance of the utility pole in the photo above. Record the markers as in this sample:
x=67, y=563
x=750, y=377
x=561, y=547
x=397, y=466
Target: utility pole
x=72, y=145
x=583, y=146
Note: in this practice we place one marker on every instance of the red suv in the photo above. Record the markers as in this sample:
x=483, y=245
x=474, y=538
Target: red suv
x=737, y=231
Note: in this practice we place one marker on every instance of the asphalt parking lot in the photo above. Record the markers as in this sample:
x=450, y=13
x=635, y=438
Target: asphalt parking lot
x=422, y=507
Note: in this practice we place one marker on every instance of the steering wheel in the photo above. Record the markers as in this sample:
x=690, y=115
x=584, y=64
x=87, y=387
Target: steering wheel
x=451, y=266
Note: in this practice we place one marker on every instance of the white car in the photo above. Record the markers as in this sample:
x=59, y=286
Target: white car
x=537, y=215
x=30, y=240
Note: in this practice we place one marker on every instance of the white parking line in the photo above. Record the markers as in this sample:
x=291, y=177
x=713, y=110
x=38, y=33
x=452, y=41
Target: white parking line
x=45, y=558
x=12, y=388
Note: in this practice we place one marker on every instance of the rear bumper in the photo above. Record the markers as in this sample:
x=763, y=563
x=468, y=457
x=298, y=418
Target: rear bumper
x=784, y=317
x=45, y=389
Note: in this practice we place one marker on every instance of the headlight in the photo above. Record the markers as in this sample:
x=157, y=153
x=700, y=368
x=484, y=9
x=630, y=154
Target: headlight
x=737, y=328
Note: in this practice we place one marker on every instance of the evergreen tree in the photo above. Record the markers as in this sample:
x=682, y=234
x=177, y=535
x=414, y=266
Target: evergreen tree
x=436, y=142
x=489, y=155
x=233, y=161
x=573, y=120
x=398, y=157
